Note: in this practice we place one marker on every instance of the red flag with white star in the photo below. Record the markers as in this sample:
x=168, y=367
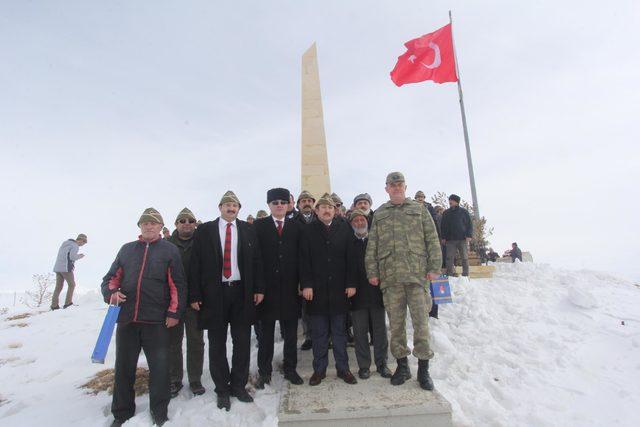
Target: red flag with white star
x=429, y=57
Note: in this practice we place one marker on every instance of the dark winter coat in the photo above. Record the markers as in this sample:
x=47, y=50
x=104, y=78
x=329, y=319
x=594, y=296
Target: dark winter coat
x=152, y=278
x=280, y=266
x=456, y=224
x=185, y=247
x=327, y=266
x=516, y=253
x=367, y=295
x=205, y=280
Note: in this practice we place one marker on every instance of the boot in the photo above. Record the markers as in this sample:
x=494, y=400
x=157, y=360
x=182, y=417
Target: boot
x=262, y=381
x=423, y=375
x=402, y=372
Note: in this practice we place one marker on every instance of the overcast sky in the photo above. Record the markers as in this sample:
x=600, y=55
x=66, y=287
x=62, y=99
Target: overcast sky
x=110, y=107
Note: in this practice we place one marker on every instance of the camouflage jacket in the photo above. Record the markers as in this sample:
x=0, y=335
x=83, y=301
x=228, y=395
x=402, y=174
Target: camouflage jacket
x=403, y=244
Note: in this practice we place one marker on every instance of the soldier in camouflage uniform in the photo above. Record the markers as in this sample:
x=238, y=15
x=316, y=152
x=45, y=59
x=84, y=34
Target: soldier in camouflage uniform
x=403, y=254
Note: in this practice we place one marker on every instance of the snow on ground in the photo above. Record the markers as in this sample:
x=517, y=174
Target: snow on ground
x=534, y=346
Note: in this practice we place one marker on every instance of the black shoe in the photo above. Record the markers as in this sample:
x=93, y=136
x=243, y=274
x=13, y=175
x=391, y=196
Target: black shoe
x=306, y=345
x=402, y=372
x=384, y=371
x=196, y=388
x=293, y=377
x=57, y=307
x=242, y=395
x=316, y=378
x=423, y=375
x=174, y=389
x=224, y=402
x=347, y=377
x=262, y=380
x=364, y=373
x=67, y=305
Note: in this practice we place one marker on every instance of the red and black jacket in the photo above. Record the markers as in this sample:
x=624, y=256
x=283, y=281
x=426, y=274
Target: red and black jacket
x=151, y=275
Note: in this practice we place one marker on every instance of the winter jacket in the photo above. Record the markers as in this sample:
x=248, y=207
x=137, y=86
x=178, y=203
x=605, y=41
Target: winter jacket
x=327, y=266
x=67, y=255
x=151, y=276
x=456, y=224
x=280, y=266
x=367, y=295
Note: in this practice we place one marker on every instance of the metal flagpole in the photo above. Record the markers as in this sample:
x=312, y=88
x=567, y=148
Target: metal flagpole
x=474, y=196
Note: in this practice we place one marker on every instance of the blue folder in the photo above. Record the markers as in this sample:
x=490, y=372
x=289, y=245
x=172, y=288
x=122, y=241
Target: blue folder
x=102, y=345
x=441, y=291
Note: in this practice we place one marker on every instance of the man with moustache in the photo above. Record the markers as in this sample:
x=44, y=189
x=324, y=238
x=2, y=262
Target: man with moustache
x=403, y=255
x=326, y=278
x=182, y=237
x=306, y=214
x=225, y=287
x=279, y=238
x=147, y=281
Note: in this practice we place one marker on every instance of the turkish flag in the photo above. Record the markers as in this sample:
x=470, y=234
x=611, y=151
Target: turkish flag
x=429, y=57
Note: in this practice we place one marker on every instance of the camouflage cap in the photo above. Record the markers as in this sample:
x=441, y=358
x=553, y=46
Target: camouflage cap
x=306, y=195
x=395, y=177
x=229, y=196
x=326, y=199
x=261, y=214
x=185, y=214
x=150, y=215
x=355, y=213
x=336, y=199
x=82, y=237
x=419, y=193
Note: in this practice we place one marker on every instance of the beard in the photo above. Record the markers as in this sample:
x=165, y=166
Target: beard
x=363, y=231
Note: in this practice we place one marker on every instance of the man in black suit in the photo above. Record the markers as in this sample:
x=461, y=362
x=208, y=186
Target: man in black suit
x=225, y=286
x=328, y=281
x=305, y=204
x=279, y=238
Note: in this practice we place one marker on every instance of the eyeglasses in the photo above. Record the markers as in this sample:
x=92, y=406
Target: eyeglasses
x=190, y=221
x=280, y=202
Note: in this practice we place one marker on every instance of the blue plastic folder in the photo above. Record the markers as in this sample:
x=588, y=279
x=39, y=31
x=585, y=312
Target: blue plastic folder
x=441, y=291
x=102, y=345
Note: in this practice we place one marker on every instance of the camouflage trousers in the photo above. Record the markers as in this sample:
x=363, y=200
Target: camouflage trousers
x=417, y=297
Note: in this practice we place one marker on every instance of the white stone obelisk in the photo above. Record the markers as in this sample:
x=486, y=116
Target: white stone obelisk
x=315, y=166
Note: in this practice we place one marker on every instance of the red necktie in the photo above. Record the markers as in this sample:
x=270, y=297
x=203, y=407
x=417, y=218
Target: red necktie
x=279, y=227
x=226, y=269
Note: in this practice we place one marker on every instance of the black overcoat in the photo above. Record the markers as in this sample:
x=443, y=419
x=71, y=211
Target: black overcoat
x=280, y=266
x=327, y=266
x=367, y=295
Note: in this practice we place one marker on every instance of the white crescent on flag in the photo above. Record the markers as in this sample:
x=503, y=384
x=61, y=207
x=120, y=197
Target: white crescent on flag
x=437, y=60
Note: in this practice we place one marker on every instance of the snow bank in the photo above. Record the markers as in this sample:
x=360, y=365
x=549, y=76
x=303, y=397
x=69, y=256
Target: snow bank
x=534, y=346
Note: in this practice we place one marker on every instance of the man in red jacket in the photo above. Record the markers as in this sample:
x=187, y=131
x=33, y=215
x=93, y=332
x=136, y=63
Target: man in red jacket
x=147, y=281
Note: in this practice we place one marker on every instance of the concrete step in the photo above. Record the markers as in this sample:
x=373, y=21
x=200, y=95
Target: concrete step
x=371, y=402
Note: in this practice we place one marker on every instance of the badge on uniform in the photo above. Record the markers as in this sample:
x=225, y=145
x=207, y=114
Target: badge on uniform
x=102, y=345
x=441, y=291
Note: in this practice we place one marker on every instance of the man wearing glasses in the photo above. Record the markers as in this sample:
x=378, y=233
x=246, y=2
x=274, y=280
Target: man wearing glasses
x=182, y=237
x=279, y=237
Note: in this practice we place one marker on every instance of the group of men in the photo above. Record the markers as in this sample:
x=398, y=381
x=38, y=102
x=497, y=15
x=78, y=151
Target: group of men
x=312, y=262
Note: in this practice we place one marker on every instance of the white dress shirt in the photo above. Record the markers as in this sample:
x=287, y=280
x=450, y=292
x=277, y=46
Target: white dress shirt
x=222, y=228
x=275, y=221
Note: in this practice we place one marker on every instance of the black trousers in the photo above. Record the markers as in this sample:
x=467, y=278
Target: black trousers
x=265, y=346
x=154, y=340
x=233, y=314
x=322, y=326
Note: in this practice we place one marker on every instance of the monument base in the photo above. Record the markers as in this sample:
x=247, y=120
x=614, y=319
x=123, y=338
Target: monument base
x=371, y=402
